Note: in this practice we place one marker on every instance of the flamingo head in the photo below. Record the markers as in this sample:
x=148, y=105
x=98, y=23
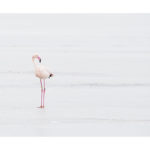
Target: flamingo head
x=36, y=56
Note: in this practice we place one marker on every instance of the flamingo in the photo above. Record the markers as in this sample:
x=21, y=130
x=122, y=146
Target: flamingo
x=42, y=72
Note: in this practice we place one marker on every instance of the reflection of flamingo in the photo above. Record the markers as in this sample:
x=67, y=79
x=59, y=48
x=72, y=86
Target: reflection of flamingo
x=41, y=72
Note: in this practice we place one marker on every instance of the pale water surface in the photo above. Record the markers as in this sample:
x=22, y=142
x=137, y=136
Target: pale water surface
x=101, y=65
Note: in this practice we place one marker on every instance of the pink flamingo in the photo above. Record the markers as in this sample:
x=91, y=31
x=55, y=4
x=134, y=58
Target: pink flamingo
x=42, y=73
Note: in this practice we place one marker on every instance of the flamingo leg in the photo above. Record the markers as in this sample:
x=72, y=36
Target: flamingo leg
x=44, y=92
x=41, y=92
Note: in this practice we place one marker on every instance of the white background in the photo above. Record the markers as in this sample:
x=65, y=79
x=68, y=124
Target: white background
x=78, y=6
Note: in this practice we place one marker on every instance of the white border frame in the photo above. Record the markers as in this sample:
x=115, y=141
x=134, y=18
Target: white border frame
x=74, y=6
x=75, y=143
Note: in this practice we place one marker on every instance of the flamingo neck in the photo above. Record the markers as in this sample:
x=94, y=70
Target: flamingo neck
x=33, y=59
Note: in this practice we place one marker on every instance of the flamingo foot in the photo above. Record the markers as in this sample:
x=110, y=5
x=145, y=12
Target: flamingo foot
x=40, y=107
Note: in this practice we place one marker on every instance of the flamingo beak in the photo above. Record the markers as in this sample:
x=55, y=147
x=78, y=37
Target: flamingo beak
x=39, y=59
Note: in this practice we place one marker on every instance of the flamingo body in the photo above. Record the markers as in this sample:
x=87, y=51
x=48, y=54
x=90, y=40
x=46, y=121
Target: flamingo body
x=42, y=72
